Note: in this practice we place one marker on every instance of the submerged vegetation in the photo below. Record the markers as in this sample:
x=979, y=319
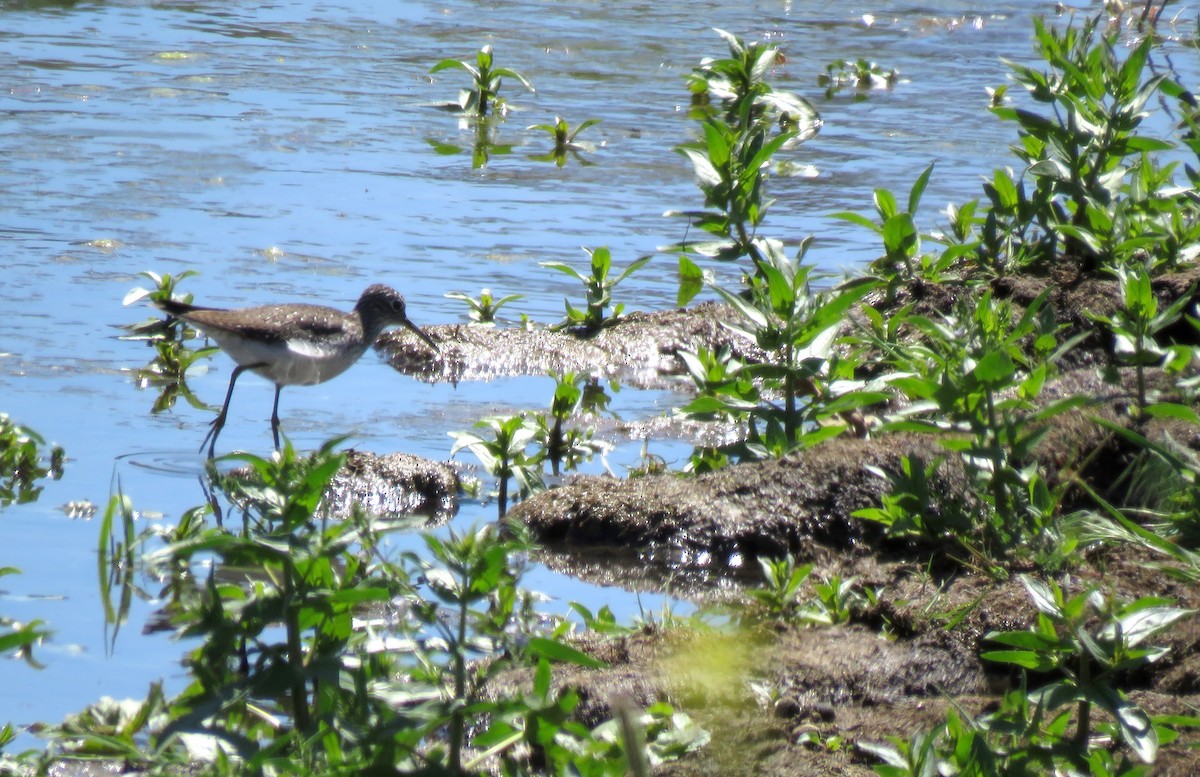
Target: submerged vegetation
x=316, y=649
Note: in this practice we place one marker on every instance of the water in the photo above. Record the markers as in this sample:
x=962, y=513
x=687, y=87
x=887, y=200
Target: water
x=286, y=152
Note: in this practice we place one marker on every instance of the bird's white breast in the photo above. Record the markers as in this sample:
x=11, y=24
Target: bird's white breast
x=290, y=363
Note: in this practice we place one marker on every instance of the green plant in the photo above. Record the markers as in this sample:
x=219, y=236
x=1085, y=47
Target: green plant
x=293, y=674
x=484, y=309
x=560, y=444
x=565, y=140
x=725, y=387
x=270, y=641
x=485, y=143
x=901, y=240
x=797, y=327
x=834, y=602
x=598, y=287
x=165, y=288
x=780, y=597
x=1088, y=658
x=745, y=122
x=1136, y=325
x=1085, y=191
x=976, y=374
x=168, y=335
x=22, y=462
x=909, y=508
x=735, y=88
x=486, y=79
x=167, y=372
x=603, y=621
x=860, y=74
x=1087, y=643
x=20, y=638
x=115, y=561
x=504, y=455
x=1162, y=492
x=113, y=729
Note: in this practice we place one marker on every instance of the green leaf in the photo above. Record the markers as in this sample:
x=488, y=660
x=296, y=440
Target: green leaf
x=857, y=218
x=755, y=316
x=1084, y=236
x=1030, y=640
x=1143, y=624
x=691, y=281
x=900, y=235
x=1131, y=70
x=449, y=63
x=1043, y=597
x=994, y=369
x=716, y=143
x=556, y=651
x=1173, y=410
x=706, y=174
x=504, y=72
x=1003, y=191
x=633, y=267
x=1141, y=144
x=359, y=595
x=764, y=155
x=1026, y=659
x=1135, y=725
x=918, y=188
x=885, y=204
x=565, y=268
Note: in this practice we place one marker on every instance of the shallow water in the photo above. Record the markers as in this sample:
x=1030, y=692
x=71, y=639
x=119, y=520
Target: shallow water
x=286, y=152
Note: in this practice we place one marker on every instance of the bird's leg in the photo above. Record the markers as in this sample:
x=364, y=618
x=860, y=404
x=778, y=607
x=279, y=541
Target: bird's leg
x=275, y=415
x=215, y=428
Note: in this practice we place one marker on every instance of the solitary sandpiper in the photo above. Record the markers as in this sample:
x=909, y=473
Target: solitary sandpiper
x=294, y=344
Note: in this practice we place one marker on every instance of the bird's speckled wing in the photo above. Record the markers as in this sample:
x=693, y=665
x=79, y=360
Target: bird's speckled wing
x=270, y=323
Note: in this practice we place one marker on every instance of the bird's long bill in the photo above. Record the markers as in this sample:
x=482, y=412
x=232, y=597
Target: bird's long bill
x=417, y=331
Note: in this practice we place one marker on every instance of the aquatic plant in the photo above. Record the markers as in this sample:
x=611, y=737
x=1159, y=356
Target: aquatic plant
x=19, y=639
x=598, y=287
x=1161, y=507
x=23, y=462
x=485, y=308
x=169, y=337
x=859, y=74
x=1087, y=644
x=565, y=446
x=901, y=240
x=504, y=454
x=745, y=122
x=797, y=327
x=1086, y=191
x=565, y=142
x=482, y=97
x=291, y=671
x=834, y=600
x=1088, y=659
x=157, y=327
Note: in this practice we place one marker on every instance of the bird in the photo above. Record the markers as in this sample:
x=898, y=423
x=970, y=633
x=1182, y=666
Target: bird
x=293, y=344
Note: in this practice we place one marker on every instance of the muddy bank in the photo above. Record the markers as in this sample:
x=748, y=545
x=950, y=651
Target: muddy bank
x=802, y=503
x=639, y=349
x=790, y=701
x=395, y=485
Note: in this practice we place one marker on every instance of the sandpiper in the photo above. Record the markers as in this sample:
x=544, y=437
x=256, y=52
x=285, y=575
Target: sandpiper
x=294, y=344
